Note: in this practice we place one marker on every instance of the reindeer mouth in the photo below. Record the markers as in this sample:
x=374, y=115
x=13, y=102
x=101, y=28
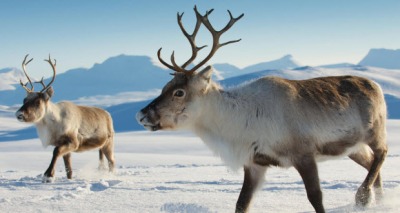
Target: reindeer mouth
x=152, y=127
x=149, y=125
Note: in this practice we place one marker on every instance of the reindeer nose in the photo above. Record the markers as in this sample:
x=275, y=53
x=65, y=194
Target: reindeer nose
x=20, y=116
x=140, y=116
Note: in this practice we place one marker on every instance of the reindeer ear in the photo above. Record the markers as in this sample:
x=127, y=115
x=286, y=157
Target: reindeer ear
x=49, y=93
x=206, y=73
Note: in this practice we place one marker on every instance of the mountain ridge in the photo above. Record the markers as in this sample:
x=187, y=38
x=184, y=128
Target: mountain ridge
x=383, y=58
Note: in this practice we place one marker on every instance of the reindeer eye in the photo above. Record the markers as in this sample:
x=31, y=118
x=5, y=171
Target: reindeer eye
x=179, y=93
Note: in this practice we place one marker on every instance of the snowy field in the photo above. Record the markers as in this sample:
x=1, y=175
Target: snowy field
x=173, y=172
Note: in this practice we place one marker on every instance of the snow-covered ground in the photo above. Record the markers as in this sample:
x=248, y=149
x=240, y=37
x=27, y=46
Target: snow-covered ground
x=173, y=172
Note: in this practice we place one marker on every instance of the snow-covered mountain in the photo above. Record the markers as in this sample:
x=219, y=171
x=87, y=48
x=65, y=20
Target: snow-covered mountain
x=117, y=74
x=121, y=74
x=384, y=58
x=286, y=62
x=9, y=77
x=228, y=70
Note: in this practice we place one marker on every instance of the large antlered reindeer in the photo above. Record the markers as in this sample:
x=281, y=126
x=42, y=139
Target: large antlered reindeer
x=68, y=127
x=274, y=121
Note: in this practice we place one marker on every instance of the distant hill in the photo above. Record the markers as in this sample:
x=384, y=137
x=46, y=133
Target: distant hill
x=9, y=77
x=227, y=70
x=286, y=62
x=115, y=75
x=384, y=58
x=120, y=74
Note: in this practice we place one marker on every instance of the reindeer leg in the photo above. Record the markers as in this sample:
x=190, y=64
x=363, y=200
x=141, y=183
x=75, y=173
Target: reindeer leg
x=67, y=163
x=64, y=145
x=253, y=178
x=49, y=173
x=364, y=158
x=363, y=194
x=109, y=153
x=101, y=160
x=307, y=168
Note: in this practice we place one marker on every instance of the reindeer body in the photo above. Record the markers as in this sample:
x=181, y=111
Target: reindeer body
x=274, y=121
x=68, y=127
x=278, y=118
x=278, y=122
x=79, y=123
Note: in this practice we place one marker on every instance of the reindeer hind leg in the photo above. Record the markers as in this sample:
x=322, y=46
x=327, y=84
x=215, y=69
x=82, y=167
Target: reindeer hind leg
x=373, y=177
x=108, y=151
x=101, y=160
x=364, y=158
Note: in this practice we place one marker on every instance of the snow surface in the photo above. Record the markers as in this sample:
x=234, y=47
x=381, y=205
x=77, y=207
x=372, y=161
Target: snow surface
x=173, y=172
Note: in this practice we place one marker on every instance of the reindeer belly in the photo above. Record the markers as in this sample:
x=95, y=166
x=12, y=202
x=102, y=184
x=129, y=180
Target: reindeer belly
x=91, y=143
x=337, y=150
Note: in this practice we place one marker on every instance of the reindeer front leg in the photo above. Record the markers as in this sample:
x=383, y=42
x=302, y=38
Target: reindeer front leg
x=308, y=170
x=253, y=178
x=64, y=145
x=67, y=163
x=49, y=174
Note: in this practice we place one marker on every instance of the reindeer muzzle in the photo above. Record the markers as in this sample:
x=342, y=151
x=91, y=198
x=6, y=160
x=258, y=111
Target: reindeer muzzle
x=20, y=116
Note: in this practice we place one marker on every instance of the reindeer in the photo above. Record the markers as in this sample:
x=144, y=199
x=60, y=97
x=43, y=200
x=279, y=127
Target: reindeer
x=68, y=127
x=274, y=121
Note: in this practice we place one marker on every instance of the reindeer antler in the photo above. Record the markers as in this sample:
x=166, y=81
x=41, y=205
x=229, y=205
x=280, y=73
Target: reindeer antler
x=53, y=67
x=45, y=87
x=191, y=38
x=24, y=63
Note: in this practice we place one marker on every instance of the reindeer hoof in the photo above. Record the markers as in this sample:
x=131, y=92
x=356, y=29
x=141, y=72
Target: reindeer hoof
x=378, y=194
x=102, y=168
x=48, y=179
x=363, y=196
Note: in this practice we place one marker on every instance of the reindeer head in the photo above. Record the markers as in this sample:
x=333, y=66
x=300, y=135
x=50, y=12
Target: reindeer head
x=175, y=108
x=35, y=103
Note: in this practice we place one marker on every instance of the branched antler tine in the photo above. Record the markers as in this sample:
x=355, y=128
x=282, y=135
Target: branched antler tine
x=24, y=86
x=176, y=67
x=53, y=66
x=179, y=17
x=230, y=42
x=199, y=48
x=231, y=22
x=208, y=12
x=41, y=82
x=204, y=19
x=162, y=61
x=191, y=38
x=215, y=35
x=24, y=63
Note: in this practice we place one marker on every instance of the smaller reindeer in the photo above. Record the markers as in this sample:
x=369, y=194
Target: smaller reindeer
x=68, y=127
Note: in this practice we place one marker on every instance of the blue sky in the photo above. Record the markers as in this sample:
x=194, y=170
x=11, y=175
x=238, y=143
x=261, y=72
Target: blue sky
x=81, y=33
